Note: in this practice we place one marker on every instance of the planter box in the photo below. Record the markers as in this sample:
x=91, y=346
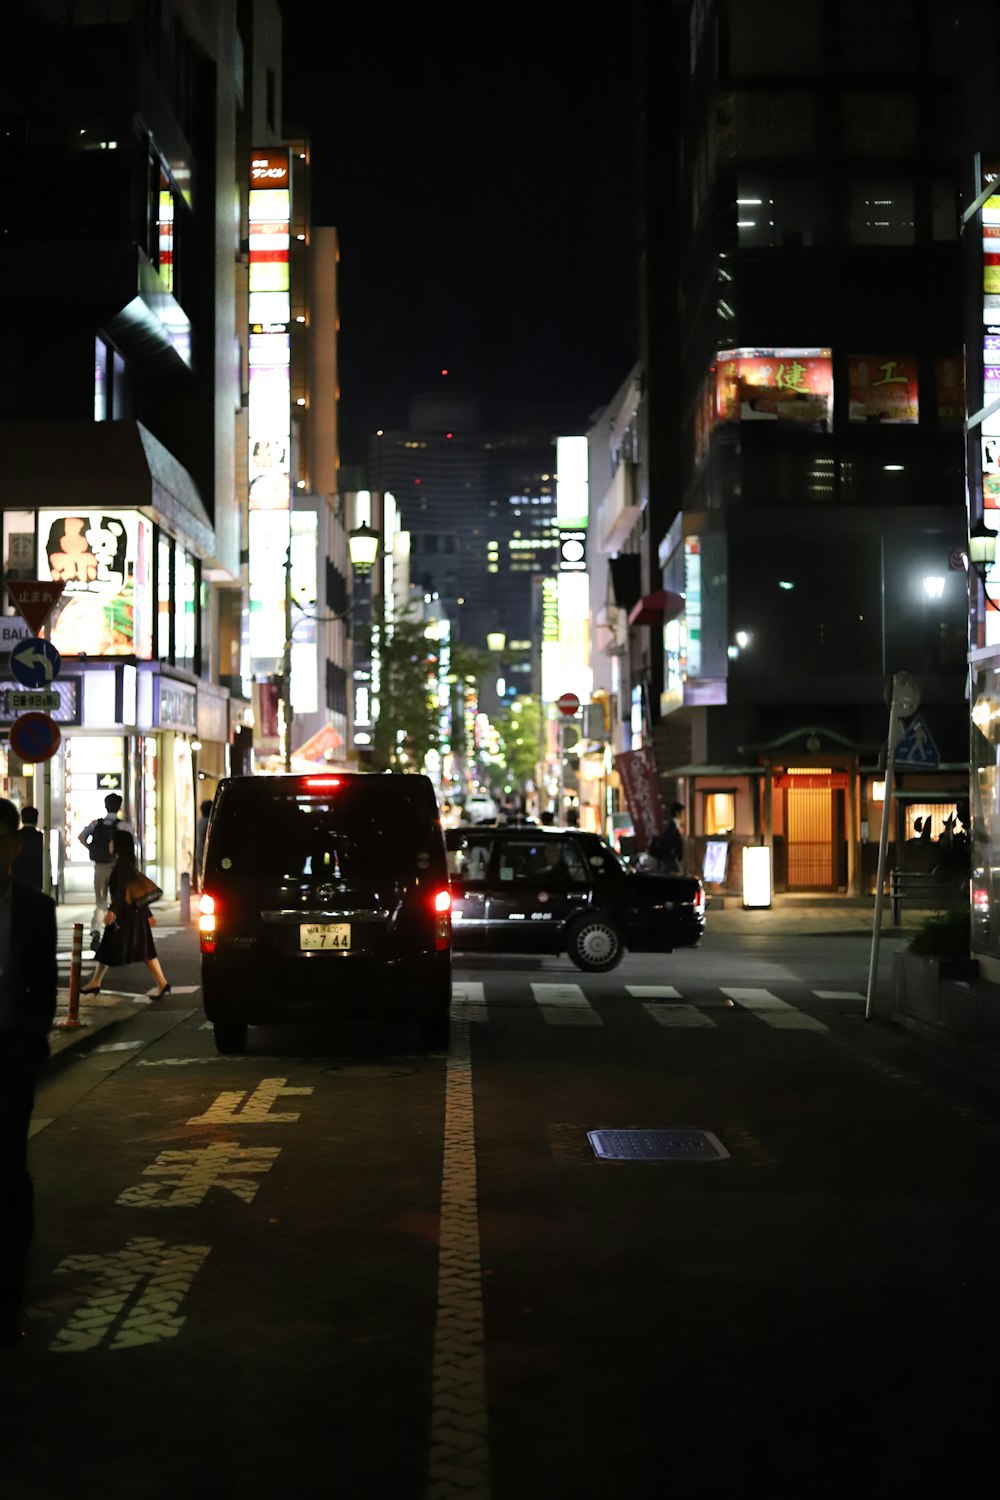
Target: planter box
x=944, y=999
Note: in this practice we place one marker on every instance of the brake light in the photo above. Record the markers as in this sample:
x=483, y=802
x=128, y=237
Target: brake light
x=699, y=900
x=206, y=922
x=442, y=920
x=323, y=783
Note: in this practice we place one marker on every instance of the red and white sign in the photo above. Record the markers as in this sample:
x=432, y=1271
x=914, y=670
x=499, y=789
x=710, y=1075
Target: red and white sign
x=569, y=703
x=34, y=599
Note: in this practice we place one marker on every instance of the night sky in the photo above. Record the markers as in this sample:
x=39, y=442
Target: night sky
x=483, y=185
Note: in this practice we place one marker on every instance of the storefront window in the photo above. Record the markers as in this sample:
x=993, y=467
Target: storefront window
x=720, y=813
x=95, y=766
x=185, y=615
x=164, y=614
x=150, y=795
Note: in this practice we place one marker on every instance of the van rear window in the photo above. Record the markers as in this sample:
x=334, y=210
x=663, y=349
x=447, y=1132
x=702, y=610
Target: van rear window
x=354, y=833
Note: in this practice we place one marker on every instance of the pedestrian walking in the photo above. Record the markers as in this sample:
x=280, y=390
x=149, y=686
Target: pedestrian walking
x=28, y=984
x=96, y=838
x=128, y=937
x=667, y=848
x=27, y=866
x=200, y=835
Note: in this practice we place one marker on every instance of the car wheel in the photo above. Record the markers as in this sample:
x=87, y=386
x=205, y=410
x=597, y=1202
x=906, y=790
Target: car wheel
x=230, y=1036
x=595, y=944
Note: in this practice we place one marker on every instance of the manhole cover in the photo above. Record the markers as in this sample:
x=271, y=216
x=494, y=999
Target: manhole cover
x=657, y=1145
x=364, y=1071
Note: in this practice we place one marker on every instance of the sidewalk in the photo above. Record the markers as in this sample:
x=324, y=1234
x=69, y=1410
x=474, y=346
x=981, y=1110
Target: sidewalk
x=97, y=1014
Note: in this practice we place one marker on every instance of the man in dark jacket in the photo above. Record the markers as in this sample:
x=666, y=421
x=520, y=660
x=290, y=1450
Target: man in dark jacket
x=667, y=848
x=28, y=984
x=27, y=867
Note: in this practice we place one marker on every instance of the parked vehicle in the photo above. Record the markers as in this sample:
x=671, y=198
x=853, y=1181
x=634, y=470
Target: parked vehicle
x=325, y=897
x=553, y=890
x=480, y=807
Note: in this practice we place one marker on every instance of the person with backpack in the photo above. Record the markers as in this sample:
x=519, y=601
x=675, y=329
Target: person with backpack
x=97, y=839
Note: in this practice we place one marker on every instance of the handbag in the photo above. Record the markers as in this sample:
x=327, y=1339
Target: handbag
x=141, y=891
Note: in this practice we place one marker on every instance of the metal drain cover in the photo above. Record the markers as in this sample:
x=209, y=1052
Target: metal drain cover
x=657, y=1145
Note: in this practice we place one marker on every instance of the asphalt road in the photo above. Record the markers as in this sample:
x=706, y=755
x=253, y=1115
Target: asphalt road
x=341, y=1267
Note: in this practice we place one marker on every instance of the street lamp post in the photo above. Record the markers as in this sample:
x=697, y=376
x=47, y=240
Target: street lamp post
x=362, y=550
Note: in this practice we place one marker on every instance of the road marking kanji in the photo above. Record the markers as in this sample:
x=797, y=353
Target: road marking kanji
x=226, y=1109
x=184, y=1178
x=167, y=1270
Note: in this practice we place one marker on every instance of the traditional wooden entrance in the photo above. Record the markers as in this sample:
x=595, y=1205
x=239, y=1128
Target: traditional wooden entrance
x=813, y=827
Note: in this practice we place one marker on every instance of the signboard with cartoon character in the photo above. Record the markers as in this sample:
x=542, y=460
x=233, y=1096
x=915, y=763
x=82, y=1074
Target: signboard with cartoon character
x=104, y=560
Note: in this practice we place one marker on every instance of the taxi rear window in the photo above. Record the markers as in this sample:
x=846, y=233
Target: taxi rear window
x=355, y=832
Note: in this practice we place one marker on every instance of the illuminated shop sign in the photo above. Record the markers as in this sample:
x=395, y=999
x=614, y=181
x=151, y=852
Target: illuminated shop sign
x=269, y=406
x=776, y=385
x=881, y=389
x=104, y=558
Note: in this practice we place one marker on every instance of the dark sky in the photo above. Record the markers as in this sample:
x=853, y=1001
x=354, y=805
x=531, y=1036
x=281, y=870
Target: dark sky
x=481, y=174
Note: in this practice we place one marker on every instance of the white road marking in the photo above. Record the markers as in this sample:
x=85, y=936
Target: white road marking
x=468, y=996
x=188, y=1176
x=653, y=991
x=774, y=1012
x=257, y=1109
x=168, y=1271
x=565, y=1005
x=459, y=1461
x=114, y=1047
x=688, y=1016
x=838, y=995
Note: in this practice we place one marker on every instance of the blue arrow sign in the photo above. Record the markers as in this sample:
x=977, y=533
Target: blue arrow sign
x=917, y=748
x=35, y=663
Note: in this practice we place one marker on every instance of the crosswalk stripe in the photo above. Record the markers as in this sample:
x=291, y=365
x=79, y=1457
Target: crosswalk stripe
x=772, y=1011
x=838, y=995
x=468, y=1000
x=653, y=991
x=565, y=1005
x=688, y=1016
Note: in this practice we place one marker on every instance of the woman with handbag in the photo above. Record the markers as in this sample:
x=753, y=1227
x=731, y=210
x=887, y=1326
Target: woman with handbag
x=127, y=936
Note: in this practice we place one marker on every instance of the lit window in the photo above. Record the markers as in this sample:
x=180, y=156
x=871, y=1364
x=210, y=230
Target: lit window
x=720, y=813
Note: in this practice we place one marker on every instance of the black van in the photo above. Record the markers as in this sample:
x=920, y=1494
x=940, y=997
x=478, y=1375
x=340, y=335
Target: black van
x=325, y=897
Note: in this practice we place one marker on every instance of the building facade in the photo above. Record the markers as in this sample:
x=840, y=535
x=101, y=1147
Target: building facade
x=799, y=448
x=123, y=474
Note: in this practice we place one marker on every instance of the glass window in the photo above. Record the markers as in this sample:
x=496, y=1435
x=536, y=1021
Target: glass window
x=944, y=209
x=881, y=211
x=877, y=38
x=469, y=858
x=164, y=614
x=776, y=123
x=100, y=380
x=882, y=123
x=775, y=36
x=720, y=813
x=788, y=212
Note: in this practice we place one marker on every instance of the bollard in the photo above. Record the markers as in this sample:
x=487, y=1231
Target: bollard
x=75, y=965
x=185, y=898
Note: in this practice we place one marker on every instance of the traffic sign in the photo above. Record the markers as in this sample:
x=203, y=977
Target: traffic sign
x=34, y=598
x=35, y=663
x=21, y=702
x=569, y=703
x=917, y=748
x=34, y=737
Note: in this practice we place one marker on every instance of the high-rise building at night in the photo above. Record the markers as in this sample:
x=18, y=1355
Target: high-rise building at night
x=480, y=509
x=796, y=464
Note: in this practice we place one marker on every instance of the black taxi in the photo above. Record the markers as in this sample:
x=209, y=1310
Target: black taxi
x=521, y=889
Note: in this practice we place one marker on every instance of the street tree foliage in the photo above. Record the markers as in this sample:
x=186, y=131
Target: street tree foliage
x=466, y=661
x=521, y=727
x=407, y=723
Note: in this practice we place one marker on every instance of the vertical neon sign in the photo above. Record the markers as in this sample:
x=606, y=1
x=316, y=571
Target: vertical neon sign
x=270, y=401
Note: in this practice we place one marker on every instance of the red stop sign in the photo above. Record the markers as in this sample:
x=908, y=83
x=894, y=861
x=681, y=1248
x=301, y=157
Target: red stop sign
x=568, y=703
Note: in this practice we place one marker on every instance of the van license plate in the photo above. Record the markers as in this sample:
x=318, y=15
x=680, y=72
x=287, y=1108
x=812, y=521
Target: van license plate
x=316, y=936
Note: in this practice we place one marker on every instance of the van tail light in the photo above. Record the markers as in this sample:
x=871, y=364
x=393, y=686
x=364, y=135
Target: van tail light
x=206, y=922
x=442, y=920
x=699, y=901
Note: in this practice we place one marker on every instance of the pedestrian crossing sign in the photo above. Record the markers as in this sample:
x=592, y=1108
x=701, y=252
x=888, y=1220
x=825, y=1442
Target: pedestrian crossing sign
x=917, y=748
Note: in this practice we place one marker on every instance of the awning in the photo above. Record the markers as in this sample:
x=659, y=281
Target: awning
x=322, y=743
x=656, y=609
x=101, y=465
